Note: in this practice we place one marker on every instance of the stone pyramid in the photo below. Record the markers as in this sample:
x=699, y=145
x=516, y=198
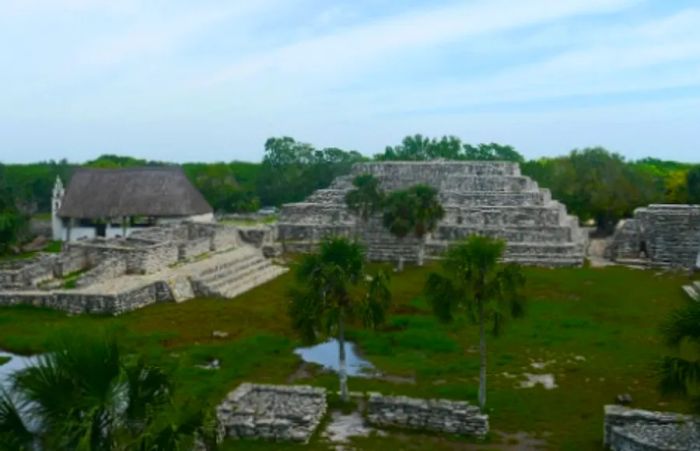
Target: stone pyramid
x=486, y=198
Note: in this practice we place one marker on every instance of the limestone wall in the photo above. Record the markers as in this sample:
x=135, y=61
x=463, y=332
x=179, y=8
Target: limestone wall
x=667, y=235
x=628, y=429
x=194, y=247
x=27, y=273
x=437, y=415
x=106, y=270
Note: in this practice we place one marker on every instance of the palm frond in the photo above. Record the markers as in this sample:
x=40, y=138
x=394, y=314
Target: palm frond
x=442, y=295
x=14, y=433
x=678, y=374
x=683, y=324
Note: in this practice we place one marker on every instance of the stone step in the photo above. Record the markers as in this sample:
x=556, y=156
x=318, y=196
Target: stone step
x=692, y=292
x=241, y=265
x=232, y=277
x=231, y=258
x=252, y=281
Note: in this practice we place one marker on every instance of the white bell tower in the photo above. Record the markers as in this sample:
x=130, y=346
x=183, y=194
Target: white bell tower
x=56, y=201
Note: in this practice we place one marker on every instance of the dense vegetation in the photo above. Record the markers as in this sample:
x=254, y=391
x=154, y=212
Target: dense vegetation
x=595, y=184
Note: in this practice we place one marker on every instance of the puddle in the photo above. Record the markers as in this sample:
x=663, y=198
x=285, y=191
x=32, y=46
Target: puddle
x=326, y=355
x=546, y=380
x=16, y=363
x=341, y=427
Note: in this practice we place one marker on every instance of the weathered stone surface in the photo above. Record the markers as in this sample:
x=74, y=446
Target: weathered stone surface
x=437, y=415
x=664, y=235
x=628, y=429
x=486, y=198
x=271, y=412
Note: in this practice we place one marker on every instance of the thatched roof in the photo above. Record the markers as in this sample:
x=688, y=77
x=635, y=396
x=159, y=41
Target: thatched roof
x=112, y=193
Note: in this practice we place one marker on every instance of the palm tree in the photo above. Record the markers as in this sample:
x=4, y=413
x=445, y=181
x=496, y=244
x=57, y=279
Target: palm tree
x=86, y=396
x=334, y=287
x=428, y=212
x=473, y=283
x=399, y=217
x=366, y=198
x=679, y=375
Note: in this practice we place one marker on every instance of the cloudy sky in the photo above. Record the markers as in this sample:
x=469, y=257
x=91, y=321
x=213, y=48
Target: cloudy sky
x=211, y=80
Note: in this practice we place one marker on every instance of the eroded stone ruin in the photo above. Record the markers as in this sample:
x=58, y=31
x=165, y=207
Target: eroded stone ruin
x=628, y=429
x=486, y=198
x=158, y=264
x=659, y=235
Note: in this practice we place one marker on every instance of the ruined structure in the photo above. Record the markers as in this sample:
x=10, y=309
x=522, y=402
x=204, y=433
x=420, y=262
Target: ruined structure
x=628, y=429
x=660, y=236
x=487, y=198
x=160, y=264
x=115, y=202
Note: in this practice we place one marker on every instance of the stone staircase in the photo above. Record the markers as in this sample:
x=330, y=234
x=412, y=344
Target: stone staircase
x=232, y=273
x=693, y=290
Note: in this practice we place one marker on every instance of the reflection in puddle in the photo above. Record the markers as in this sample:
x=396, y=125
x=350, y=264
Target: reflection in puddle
x=326, y=355
x=16, y=363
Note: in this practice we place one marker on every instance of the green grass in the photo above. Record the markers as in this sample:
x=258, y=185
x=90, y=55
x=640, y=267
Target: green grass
x=598, y=328
x=4, y=359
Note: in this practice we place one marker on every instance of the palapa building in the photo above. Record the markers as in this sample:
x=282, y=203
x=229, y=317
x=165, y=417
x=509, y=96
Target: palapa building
x=114, y=202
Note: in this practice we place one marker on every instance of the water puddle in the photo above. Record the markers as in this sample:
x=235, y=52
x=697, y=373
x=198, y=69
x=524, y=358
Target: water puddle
x=546, y=380
x=326, y=355
x=16, y=363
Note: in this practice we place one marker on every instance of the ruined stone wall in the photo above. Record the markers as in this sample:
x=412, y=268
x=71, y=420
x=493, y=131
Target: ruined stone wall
x=29, y=273
x=628, y=429
x=194, y=247
x=106, y=270
x=78, y=302
x=667, y=235
x=437, y=415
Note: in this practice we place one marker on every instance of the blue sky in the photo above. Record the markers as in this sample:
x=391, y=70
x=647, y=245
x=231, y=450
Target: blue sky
x=211, y=80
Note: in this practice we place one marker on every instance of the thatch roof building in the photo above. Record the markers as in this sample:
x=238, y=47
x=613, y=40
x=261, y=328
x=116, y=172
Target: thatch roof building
x=114, y=193
x=101, y=196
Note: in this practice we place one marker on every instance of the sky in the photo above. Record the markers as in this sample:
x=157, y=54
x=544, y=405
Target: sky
x=206, y=80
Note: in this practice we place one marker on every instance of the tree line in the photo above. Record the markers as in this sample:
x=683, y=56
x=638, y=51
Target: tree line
x=594, y=183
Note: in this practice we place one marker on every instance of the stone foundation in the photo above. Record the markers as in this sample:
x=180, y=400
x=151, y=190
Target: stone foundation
x=662, y=235
x=437, y=415
x=485, y=198
x=628, y=429
x=271, y=412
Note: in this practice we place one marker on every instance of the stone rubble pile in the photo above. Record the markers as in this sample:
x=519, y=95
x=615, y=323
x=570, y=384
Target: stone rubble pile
x=486, y=198
x=271, y=412
x=437, y=415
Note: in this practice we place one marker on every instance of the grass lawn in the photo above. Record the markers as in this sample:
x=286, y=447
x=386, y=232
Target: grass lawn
x=595, y=330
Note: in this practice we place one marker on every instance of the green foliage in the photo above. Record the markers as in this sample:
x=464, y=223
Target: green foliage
x=416, y=210
x=693, y=185
x=292, y=170
x=87, y=396
x=420, y=148
x=366, y=198
x=334, y=284
x=12, y=221
x=679, y=374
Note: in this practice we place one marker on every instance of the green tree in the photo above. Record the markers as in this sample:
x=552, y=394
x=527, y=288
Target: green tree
x=693, y=182
x=333, y=288
x=428, y=212
x=474, y=284
x=12, y=221
x=85, y=395
x=399, y=217
x=677, y=374
x=366, y=198
x=492, y=152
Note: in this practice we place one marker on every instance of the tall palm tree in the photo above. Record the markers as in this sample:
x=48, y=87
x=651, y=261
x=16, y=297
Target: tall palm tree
x=85, y=395
x=399, y=217
x=473, y=283
x=680, y=375
x=366, y=198
x=334, y=287
x=428, y=212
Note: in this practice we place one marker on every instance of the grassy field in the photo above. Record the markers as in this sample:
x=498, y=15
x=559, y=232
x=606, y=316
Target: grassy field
x=594, y=330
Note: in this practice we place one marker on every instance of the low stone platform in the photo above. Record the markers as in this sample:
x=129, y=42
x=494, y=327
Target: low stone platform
x=437, y=415
x=271, y=412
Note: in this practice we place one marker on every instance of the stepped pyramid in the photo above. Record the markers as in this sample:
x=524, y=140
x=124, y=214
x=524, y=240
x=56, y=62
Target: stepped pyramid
x=486, y=198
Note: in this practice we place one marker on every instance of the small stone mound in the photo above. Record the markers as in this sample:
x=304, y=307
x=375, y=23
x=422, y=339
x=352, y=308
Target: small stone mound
x=271, y=412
